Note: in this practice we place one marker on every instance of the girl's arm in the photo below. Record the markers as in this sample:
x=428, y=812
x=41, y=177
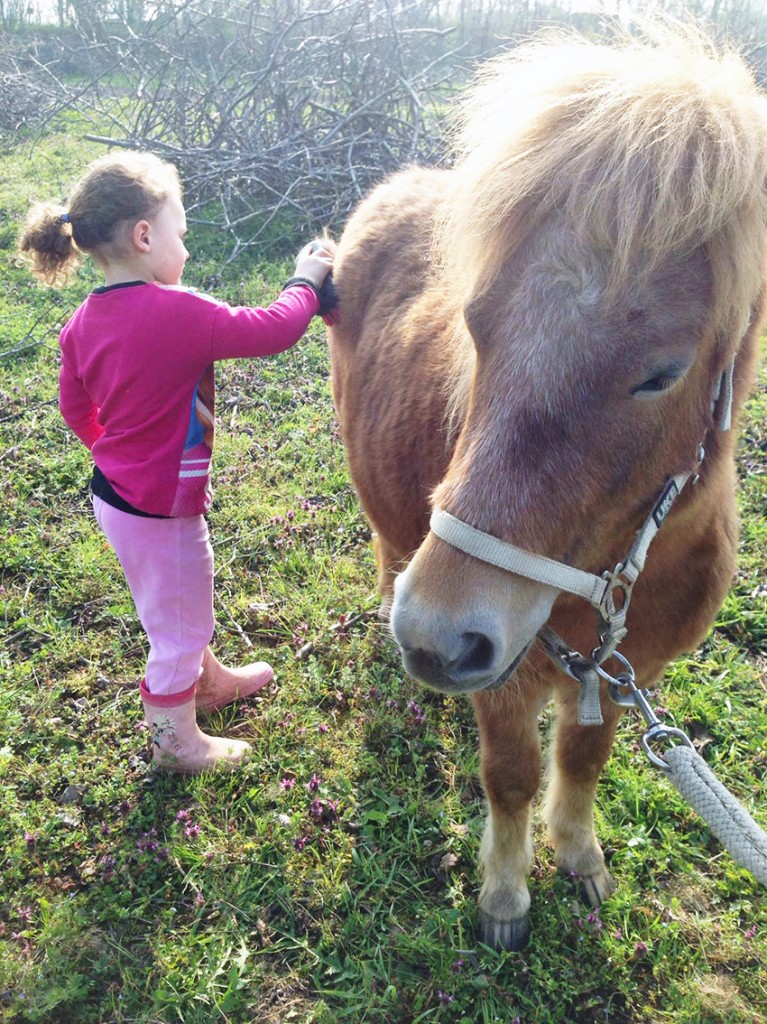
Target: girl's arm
x=262, y=332
x=78, y=409
x=243, y=331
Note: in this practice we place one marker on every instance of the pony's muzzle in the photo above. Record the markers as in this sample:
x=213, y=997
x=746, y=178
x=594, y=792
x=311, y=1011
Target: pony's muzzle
x=472, y=671
x=469, y=635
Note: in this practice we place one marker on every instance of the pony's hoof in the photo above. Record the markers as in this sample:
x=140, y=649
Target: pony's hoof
x=511, y=934
x=595, y=889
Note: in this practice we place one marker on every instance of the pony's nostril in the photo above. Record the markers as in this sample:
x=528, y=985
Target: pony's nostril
x=425, y=665
x=478, y=654
x=475, y=657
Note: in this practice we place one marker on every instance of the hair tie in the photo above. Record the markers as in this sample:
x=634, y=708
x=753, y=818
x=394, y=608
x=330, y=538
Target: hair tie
x=65, y=218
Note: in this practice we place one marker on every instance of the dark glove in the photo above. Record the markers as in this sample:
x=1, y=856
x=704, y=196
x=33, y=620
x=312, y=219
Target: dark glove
x=330, y=309
x=328, y=297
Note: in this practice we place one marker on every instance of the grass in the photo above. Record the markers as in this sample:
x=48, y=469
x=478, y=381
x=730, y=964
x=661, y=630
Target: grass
x=334, y=878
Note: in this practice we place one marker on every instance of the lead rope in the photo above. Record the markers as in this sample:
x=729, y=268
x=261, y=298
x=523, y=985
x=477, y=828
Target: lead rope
x=686, y=770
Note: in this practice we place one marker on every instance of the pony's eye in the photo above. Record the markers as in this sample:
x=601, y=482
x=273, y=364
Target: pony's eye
x=660, y=382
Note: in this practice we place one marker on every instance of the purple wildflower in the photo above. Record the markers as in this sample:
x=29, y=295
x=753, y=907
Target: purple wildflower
x=317, y=808
x=23, y=941
x=417, y=712
x=148, y=842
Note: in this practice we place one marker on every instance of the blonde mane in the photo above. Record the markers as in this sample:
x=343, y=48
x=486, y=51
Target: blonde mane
x=644, y=146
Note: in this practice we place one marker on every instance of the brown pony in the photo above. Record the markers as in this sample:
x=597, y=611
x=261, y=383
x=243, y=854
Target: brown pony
x=532, y=341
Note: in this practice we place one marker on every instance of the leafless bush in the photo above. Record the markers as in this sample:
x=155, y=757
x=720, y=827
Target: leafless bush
x=279, y=115
x=25, y=100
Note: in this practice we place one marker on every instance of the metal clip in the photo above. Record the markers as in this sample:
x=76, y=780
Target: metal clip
x=617, y=687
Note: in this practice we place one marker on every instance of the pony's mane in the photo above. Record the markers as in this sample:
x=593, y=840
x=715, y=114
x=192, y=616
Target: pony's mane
x=645, y=145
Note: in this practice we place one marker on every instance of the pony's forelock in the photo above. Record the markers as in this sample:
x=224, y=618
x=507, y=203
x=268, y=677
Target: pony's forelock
x=644, y=146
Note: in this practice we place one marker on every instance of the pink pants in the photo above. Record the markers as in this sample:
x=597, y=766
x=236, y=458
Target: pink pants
x=168, y=564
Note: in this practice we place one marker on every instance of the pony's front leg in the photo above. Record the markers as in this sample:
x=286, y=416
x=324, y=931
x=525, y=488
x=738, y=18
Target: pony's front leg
x=578, y=757
x=511, y=771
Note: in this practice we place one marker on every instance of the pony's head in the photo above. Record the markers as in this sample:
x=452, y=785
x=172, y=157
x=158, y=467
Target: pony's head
x=604, y=229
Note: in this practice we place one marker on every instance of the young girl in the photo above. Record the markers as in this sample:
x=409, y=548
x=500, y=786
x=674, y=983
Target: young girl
x=136, y=386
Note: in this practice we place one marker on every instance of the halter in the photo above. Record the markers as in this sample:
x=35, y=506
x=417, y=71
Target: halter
x=609, y=594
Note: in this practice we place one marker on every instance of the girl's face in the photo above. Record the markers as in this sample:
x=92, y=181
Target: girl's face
x=167, y=254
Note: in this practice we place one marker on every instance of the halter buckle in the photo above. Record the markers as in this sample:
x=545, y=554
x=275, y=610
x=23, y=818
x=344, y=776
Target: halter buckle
x=613, y=607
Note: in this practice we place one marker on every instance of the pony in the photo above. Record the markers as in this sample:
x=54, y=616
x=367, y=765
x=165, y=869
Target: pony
x=533, y=341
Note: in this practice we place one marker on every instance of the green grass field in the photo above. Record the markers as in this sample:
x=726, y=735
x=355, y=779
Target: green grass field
x=333, y=880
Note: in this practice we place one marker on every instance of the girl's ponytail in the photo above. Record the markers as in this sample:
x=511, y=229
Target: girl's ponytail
x=47, y=237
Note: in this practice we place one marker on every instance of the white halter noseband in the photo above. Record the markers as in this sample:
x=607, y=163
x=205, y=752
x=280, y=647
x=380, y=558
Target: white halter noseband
x=609, y=594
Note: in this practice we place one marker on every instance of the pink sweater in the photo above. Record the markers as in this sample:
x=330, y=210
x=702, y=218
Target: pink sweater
x=136, y=382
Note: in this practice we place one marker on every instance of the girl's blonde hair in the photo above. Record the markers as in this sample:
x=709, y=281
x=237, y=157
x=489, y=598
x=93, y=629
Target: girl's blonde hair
x=115, y=189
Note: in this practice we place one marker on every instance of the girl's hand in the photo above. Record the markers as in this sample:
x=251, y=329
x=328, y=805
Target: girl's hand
x=314, y=262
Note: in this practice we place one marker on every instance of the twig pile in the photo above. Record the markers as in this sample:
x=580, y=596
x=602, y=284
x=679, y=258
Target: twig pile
x=279, y=116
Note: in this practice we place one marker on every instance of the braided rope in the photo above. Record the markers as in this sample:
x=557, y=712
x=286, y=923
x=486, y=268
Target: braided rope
x=729, y=821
